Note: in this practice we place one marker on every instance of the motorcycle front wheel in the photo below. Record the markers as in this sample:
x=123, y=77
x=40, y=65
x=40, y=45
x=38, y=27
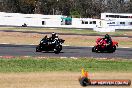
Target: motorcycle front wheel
x=58, y=49
x=38, y=49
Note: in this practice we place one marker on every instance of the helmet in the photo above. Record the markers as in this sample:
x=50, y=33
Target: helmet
x=53, y=34
x=56, y=36
x=107, y=36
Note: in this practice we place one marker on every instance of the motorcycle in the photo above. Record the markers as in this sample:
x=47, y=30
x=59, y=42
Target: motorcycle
x=47, y=45
x=102, y=46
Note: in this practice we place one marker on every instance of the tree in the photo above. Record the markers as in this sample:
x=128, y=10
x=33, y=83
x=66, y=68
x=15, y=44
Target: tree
x=129, y=3
x=78, y=8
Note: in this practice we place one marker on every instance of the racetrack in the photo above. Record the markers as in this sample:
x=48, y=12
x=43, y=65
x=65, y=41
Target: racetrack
x=68, y=51
x=57, y=79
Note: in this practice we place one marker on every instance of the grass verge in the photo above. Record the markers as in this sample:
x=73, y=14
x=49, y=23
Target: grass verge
x=66, y=30
x=70, y=65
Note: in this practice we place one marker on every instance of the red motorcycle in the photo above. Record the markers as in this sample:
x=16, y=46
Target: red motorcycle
x=103, y=46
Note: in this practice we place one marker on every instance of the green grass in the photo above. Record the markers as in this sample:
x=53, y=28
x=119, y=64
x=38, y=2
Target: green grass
x=64, y=30
x=58, y=30
x=125, y=43
x=70, y=65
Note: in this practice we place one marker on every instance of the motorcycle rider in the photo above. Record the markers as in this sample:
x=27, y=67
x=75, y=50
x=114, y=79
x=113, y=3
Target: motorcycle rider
x=56, y=40
x=108, y=40
x=53, y=36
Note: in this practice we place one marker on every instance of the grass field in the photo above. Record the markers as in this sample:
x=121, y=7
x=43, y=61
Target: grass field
x=60, y=73
x=68, y=65
x=64, y=30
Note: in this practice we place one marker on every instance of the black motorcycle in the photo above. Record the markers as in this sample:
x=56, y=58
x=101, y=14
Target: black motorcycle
x=47, y=45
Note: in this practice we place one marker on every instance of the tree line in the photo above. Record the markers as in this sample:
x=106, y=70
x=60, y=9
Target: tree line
x=74, y=8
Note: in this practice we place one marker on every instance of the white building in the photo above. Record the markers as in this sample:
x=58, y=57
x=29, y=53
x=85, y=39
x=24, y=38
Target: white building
x=112, y=21
x=35, y=20
x=108, y=22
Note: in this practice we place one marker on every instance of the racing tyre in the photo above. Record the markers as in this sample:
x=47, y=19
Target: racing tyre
x=96, y=49
x=113, y=49
x=93, y=49
x=58, y=49
x=38, y=49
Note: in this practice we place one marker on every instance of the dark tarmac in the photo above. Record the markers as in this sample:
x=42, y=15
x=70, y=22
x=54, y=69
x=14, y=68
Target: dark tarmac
x=68, y=51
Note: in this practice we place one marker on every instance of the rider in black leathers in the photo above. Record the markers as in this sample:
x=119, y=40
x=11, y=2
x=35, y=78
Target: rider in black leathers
x=53, y=37
x=56, y=40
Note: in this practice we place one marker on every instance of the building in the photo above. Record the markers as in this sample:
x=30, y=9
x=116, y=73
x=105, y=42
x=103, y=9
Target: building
x=34, y=20
x=109, y=22
x=39, y=20
x=115, y=21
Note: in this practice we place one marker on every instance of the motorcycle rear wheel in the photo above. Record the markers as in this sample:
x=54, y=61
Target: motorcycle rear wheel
x=113, y=49
x=58, y=49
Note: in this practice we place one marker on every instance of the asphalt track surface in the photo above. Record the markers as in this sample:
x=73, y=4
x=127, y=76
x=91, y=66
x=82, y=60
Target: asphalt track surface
x=68, y=51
